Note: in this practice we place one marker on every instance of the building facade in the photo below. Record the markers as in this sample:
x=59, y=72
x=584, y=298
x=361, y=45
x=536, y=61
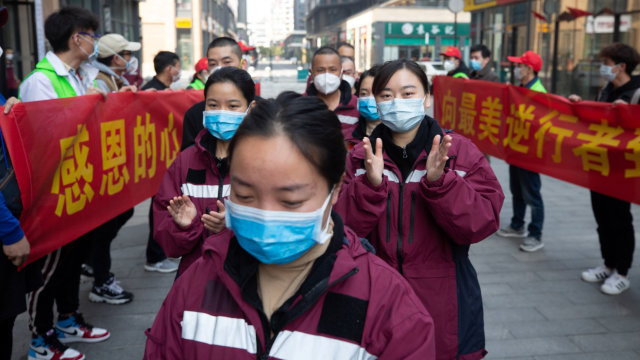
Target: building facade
x=506, y=27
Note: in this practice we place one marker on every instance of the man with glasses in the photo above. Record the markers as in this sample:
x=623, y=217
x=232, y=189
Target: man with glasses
x=64, y=72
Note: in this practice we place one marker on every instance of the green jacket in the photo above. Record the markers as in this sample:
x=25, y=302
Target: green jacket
x=196, y=84
x=536, y=85
x=59, y=83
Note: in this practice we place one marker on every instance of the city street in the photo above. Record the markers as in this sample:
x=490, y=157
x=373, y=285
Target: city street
x=536, y=306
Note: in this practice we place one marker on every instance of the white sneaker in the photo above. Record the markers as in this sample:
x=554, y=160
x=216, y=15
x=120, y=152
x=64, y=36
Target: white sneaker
x=510, y=232
x=596, y=274
x=164, y=266
x=615, y=284
x=531, y=244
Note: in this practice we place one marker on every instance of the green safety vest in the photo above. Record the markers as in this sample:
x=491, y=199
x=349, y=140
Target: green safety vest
x=60, y=83
x=537, y=86
x=460, y=75
x=196, y=84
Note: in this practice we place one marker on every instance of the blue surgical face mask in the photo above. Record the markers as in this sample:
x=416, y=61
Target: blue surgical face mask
x=368, y=108
x=402, y=115
x=94, y=55
x=222, y=124
x=607, y=73
x=475, y=64
x=277, y=237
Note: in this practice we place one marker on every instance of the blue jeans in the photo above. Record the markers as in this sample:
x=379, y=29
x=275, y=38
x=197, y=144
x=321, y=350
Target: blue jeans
x=525, y=188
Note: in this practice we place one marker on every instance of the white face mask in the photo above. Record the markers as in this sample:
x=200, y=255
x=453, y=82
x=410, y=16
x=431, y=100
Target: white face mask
x=449, y=65
x=176, y=77
x=133, y=65
x=326, y=83
x=1, y=51
x=606, y=72
x=517, y=73
x=9, y=57
x=350, y=79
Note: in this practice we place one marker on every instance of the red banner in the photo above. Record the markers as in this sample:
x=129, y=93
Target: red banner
x=82, y=161
x=591, y=144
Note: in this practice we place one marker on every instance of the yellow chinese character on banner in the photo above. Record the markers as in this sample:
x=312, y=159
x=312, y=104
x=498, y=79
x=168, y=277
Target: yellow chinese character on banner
x=594, y=155
x=169, y=144
x=144, y=148
x=114, y=155
x=559, y=132
x=73, y=177
x=634, y=156
x=519, y=122
x=449, y=110
x=467, y=113
x=490, y=119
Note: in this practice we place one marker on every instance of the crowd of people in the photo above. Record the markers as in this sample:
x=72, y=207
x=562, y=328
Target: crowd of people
x=330, y=224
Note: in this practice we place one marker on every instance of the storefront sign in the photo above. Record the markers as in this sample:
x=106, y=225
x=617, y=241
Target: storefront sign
x=591, y=144
x=96, y=159
x=604, y=24
x=183, y=23
x=418, y=30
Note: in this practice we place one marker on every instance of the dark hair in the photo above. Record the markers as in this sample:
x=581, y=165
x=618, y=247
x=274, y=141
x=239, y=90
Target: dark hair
x=389, y=68
x=347, y=58
x=325, y=50
x=226, y=41
x=63, y=23
x=346, y=44
x=307, y=122
x=484, y=51
x=371, y=72
x=621, y=53
x=106, y=60
x=164, y=59
x=238, y=77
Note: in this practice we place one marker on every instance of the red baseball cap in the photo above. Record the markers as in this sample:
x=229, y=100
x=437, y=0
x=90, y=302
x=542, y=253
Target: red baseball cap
x=453, y=52
x=529, y=58
x=202, y=64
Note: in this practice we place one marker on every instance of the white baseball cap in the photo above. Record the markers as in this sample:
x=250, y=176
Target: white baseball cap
x=112, y=44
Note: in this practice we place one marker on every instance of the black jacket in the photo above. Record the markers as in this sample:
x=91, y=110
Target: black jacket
x=486, y=73
x=624, y=92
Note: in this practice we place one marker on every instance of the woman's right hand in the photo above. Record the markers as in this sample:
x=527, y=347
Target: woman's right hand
x=182, y=210
x=374, y=163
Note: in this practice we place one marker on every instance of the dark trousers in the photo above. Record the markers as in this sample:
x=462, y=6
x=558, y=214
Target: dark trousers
x=525, y=188
x=61, y=273
x=615, y=231
x=100, y=239
x=154, y=250
x=6, y=337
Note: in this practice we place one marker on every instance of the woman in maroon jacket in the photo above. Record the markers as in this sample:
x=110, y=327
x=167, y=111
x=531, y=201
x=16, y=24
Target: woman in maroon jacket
x=422, y=201
x=289, y=281
x=190, y=203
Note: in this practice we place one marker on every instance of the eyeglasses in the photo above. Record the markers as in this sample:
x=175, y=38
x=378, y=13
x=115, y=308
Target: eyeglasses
x=94, y=36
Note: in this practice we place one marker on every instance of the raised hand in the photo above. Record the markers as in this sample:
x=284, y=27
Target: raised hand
x=438, y=157
x=182, y=210
x=374, y=163
x=214, y=221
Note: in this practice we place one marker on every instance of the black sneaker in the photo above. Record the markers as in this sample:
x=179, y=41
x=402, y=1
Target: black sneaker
x=86, y=273
x=110, y=292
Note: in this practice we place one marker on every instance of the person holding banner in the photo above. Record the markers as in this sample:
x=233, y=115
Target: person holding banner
x=613, y=216
x=423, y=196
x=114, y=56
x=481, y=64
x=63, y=72
x=524, y=184
x=453, y=63
x=167, y=67
x=369, y=118
x=201, y=75
x=189, y=207
x=290, y=276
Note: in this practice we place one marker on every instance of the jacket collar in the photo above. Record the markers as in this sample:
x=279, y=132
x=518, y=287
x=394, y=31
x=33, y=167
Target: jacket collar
x=206, y=145
x=107, y=70
x=345, y=95
x=86, y=71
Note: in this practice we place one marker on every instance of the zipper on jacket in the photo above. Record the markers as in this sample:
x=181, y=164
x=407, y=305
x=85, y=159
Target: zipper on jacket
x=404, y=153
x=413, y=213
x=389, y=217
x=315, y=293
x=399, y=247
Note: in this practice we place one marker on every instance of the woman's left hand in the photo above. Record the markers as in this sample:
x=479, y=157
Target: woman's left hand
x=214, y=221
x=438, y=157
